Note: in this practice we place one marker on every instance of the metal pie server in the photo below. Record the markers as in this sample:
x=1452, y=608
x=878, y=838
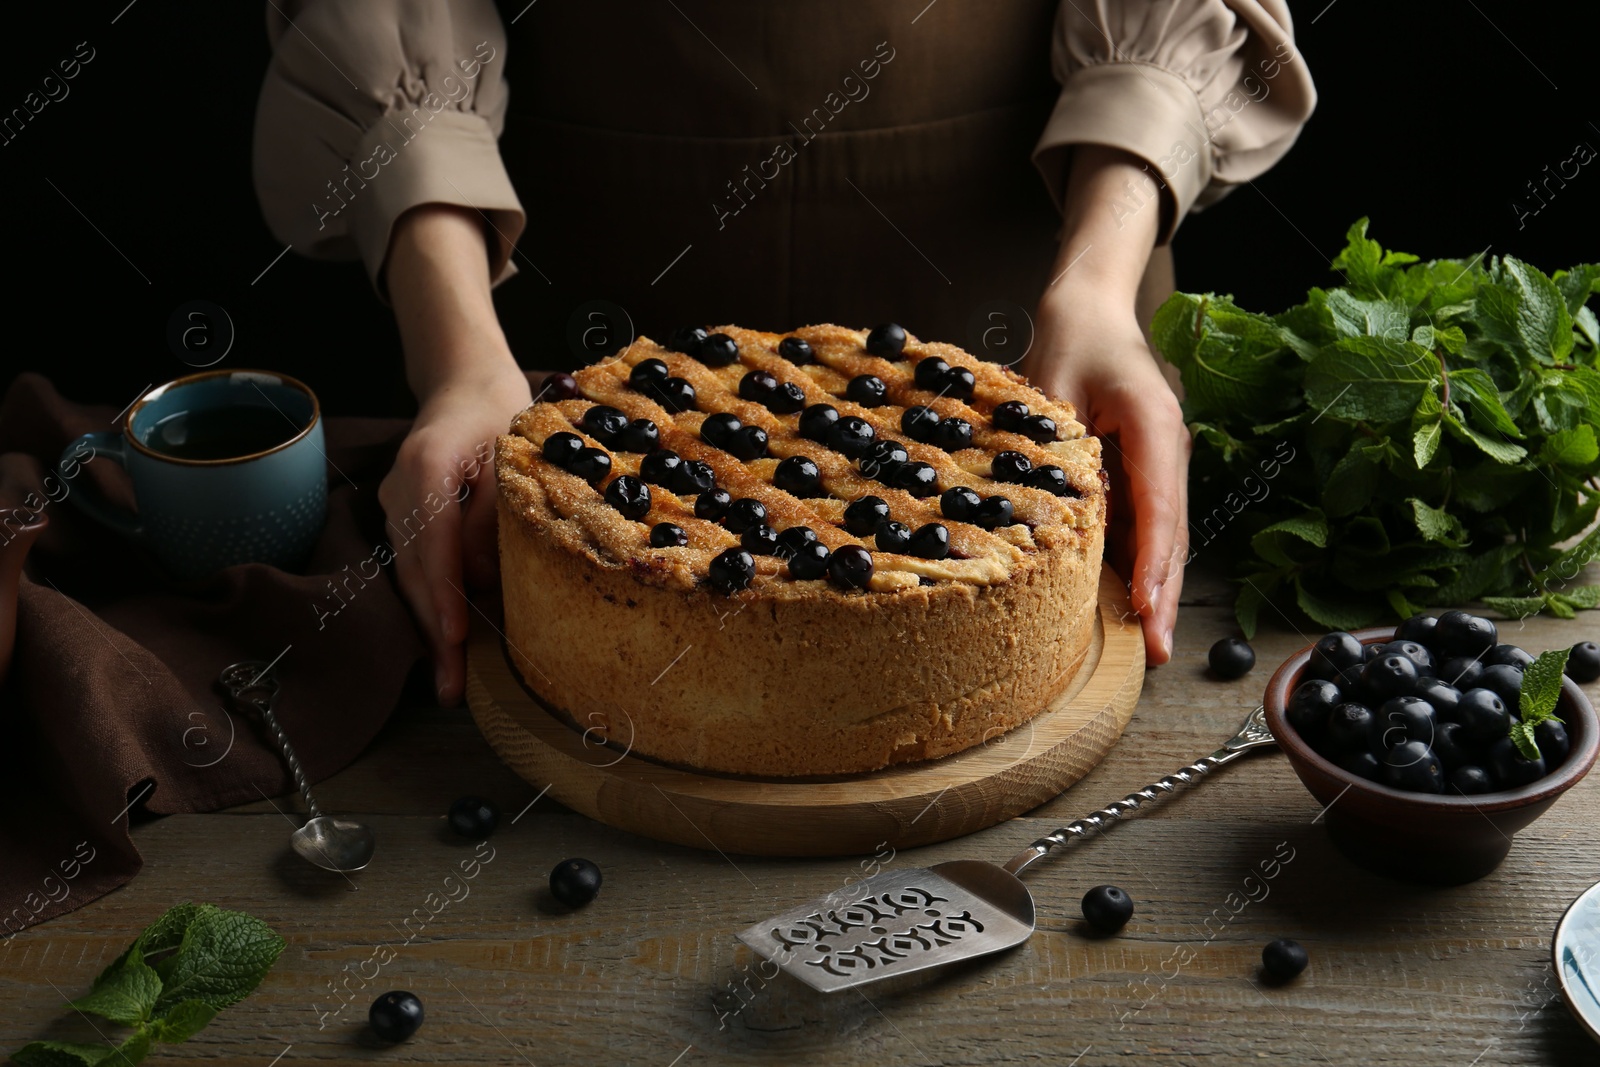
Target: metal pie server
x=898, y=922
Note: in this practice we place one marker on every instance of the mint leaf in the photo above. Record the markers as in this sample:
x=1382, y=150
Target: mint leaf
x=1522, y=309
x=1522, y=737
x=1541, y=685
x=1576, y=284
x=183, y=1021
x=1576, y=447
x=222, y=958
x=166, y=933
x=1582, y=596
x=1436, y=524
x=60, y=1054
x=1374, y=379
x=1497, y=448
x=1355, y=317
x=1515, y=607
x=125, y=992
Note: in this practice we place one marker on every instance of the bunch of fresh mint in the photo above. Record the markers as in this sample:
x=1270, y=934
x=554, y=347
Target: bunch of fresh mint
x=1424, y=435
x=187, y=965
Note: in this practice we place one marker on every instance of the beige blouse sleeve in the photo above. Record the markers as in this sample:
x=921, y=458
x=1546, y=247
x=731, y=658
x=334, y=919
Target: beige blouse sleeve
x=372, y=107
x=1210, y=93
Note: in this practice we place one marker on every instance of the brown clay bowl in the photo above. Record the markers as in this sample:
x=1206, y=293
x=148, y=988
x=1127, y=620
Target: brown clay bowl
x=1424, y=837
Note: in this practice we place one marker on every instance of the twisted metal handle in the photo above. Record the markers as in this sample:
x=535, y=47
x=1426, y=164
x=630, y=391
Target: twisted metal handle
x=249, y=684
x=1253, y=734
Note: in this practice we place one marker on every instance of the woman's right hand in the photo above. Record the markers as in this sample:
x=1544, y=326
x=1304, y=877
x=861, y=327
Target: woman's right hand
x=439, y=497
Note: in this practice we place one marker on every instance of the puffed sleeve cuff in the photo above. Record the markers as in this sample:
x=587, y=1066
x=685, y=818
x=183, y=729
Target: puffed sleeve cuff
x=1142, y=109
x=400, y=163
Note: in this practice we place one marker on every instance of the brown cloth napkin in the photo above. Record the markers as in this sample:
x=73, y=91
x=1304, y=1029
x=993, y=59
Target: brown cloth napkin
x=110, y=710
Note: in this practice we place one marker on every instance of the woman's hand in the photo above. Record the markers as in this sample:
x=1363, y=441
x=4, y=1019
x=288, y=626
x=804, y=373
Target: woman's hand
x=439, y=497
x=1089, y=349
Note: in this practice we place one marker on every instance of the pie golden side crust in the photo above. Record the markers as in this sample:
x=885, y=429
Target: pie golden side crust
x=795, y=677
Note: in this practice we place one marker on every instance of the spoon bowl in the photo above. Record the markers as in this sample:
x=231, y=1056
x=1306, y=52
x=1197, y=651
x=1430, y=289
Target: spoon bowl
x=334, y=844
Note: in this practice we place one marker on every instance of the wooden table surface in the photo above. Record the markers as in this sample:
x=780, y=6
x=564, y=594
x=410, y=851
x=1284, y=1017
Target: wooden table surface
x=1399, y=973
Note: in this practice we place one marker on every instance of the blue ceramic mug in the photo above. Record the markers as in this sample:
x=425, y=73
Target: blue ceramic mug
x=227, y=467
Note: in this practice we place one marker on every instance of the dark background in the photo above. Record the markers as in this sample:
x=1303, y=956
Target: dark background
x=1433, y=117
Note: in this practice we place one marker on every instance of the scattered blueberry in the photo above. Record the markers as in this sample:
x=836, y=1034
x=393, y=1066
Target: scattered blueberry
x=862, y=516
x=1283, y=959
x=732, y=570
x=474, y=817
x=668, y=535
x=1107, y=908
x=395, y=1016
x=1231, y=657
x=575, y=882
x=1583, y=662
x=850, y=567
x=629, y=495
x=887, y=340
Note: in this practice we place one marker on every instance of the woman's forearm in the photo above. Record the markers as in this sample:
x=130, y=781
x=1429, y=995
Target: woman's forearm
x=1110, y=217
x=438, y=280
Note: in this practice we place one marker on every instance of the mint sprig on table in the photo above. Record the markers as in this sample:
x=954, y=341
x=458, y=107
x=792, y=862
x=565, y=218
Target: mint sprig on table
x=1541, y=688
x=185, y=967
x=1443, y=421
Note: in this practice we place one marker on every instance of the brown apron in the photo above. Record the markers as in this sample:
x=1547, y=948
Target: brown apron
x=776, y=164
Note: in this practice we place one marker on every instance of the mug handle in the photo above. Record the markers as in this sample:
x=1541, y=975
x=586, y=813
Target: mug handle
x=111, y=445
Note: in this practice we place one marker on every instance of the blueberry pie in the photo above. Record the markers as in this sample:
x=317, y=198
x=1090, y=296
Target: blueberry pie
x=818, y=552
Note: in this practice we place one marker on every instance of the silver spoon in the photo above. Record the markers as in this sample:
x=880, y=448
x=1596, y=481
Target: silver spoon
x=331, y=843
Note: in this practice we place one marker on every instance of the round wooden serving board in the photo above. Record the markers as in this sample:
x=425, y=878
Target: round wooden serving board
x=902, y=806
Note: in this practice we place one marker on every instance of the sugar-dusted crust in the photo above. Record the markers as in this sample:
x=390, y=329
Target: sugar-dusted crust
x=792, y=677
